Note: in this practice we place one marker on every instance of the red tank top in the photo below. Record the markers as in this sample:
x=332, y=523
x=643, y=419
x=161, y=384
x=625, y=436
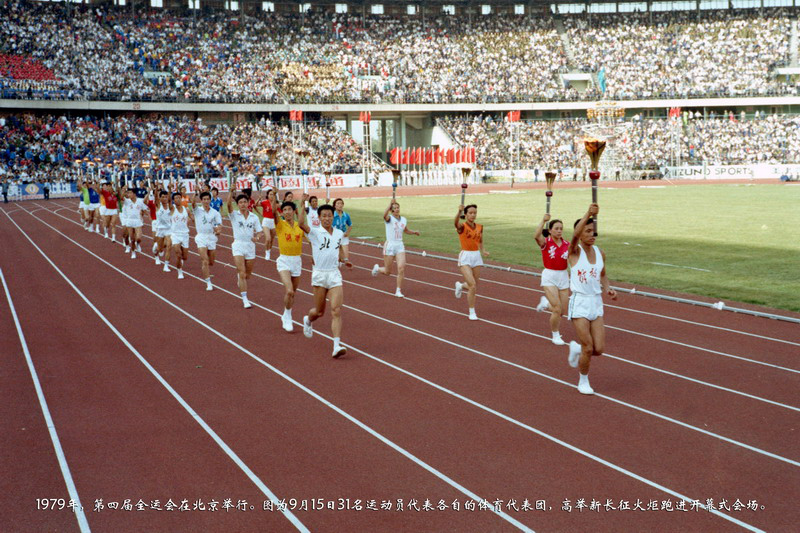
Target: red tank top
x=110, y=198
x=554, y=257
x=266, y=207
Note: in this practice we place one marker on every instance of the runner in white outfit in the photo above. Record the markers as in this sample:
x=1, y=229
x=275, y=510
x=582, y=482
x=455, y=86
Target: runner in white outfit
x=179, y=231
x=326, y=280
x=588, y=282
x=163, y=228
x=209, y=224
x=396, y=227
x=246, y=233
x=132, y=208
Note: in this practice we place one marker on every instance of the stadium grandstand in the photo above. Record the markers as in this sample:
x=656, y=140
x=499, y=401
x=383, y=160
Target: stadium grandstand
x=508, y=88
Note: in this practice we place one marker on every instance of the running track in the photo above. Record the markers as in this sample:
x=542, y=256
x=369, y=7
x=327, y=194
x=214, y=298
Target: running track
x=159, y=390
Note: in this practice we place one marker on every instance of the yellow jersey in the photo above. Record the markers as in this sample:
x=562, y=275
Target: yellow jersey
x=290, y=237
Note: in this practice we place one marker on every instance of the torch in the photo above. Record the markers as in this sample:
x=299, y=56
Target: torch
x=465, y=174
x=550, y=178
x=594, y=147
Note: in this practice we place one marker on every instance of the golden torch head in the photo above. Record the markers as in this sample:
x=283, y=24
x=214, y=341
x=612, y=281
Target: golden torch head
x=594, y=147
x=465, y=172
x=395, y=175
x=550, y=178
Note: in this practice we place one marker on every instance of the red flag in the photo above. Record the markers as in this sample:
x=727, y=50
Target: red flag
x=513, y=116
x=419, y=157
x=472, y=155
x=451, y=156
x=394, y=156
x=406, y=157
x=291, y=115
x=429, y=156
x=459, y=156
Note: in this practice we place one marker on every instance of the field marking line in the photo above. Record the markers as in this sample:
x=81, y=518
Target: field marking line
x=221, y=443
x=83, y=524
x=493, y=358
x=276, y=371
x=679, y=266
x=441, y=388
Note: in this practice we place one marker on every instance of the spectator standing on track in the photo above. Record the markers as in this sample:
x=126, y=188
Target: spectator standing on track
x=470, y=260
x=208, y=223
x=5, y=191
x=393, y=248
x=326, y=279
x=555, y=279
x=289, y=262
x=246, y=233
x=46, y=188
x=588, y=282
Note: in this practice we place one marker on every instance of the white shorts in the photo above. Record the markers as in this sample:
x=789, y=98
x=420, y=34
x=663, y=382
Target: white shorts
x=246, y=249
x=82, y=206
x=268, y=223
x=555, y=278
x=346, y=241
x=135, y=223
x=160, y=232
x=207, y=241
x=585, y=306
x=394, y=248
x=106, y=212
x=180, y=238
x=123, y=221
x=471, y=259
x=326, y=278
x=93, y=207
x=292, y=263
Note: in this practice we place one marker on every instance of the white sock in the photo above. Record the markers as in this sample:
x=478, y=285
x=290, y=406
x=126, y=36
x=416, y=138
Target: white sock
x=287, y=313
x=208, y=280
x=336, y=343
x=472, y=310
x=584, y=379
x=244, y=294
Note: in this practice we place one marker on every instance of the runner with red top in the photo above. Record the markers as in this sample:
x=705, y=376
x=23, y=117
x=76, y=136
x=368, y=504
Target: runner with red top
x=555, y=279
x=109, y=211
x=268, y=221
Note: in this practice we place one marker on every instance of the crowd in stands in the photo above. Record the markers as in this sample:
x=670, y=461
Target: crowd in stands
x=33, y=146
x=691, y=139
x=107, y=52
x=683, y=54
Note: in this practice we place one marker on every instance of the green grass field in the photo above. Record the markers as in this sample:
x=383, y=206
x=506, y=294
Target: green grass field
x=730, y=242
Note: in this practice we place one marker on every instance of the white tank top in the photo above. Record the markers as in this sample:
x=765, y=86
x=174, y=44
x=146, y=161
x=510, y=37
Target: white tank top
x=180, y=220
x=162, y=215
x=584, y=277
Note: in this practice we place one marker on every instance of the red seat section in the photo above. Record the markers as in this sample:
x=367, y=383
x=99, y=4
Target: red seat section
x=24, y=68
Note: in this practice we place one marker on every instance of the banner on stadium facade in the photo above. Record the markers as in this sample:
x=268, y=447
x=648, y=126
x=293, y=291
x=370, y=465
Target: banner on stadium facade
x=710, y=172
x=292, y=182
x=35, y=191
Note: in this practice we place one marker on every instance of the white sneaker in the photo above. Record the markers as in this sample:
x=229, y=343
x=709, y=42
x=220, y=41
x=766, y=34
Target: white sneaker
x=155, y=247
x=127, y=249
x=113, y=238
x=339, y=351
x=166, y=267
x=473, y=316
x=398, y=294
x=557, y=340
x=583, y=385
x=138, y=247
x=287, y=323
x=308, y=330
x=245, y=302
x=375, y=270
x=105, y=234
x=158, y=261
x=459, y=289
x=209, y=286
x=574, y=354
x=543, y=304
x=133, y=254
x=180, y=273
x=96, y=229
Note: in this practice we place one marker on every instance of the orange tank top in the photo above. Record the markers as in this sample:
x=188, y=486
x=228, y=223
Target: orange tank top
x=471, y=237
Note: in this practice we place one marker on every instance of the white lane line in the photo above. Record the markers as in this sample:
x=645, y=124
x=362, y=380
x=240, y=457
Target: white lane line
x=221, y=443
x=275, y=370
x=441, y=388
x=628, y=309
x=526, y=369
x=51, y=426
